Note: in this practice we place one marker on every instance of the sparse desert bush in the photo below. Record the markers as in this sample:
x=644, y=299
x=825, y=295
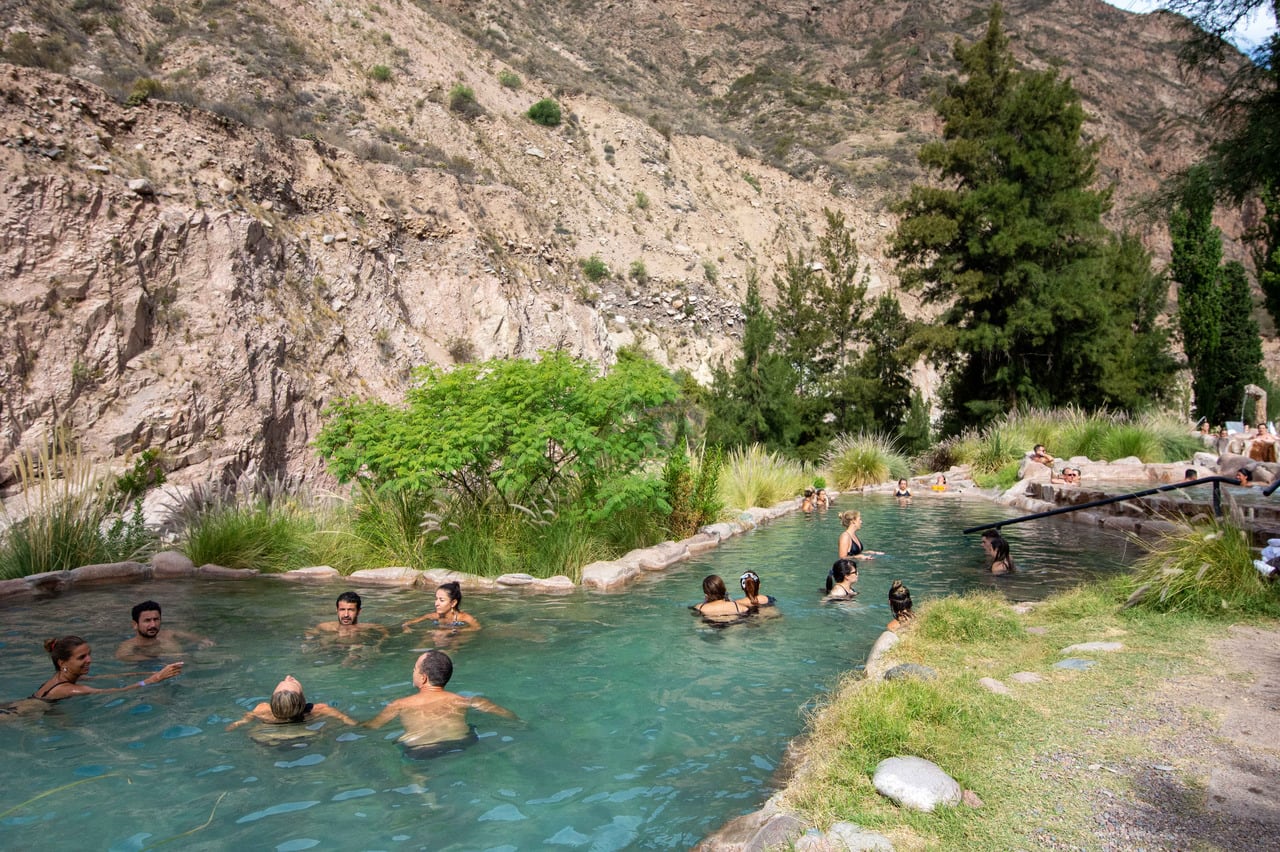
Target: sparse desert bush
x=144, y=89
x=594, y=268
x=638, y=273
x=462, y=100
x=380, y=73
x=509, y=79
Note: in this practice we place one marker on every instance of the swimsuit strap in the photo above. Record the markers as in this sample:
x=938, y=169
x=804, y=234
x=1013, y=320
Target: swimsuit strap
x=41, y=693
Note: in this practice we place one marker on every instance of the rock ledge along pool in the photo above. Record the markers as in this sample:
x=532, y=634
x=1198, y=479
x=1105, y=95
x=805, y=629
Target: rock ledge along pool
x=640, y=725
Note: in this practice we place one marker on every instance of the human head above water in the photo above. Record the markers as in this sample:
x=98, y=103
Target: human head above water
x=288, y=703
x=434, y=668
x=61, y=650
x=841, y=569
x=713, y=588
x=750, y=583
x=850, y=516
x=899, y=599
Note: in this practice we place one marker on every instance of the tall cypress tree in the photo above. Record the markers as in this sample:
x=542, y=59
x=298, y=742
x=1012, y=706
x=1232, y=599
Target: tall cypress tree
x=1197, y=254
x=1239, y=353
x=1010, y=242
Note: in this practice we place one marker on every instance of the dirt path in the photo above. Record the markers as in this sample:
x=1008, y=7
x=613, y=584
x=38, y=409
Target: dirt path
x=1211, y=776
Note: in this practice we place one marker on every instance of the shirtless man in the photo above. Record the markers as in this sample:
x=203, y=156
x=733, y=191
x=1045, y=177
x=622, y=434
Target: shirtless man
x=153, y=642
x=434, y=719
x=348, y=627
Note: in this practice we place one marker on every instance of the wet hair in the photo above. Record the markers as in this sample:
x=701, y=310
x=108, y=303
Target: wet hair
x=60, y=650
x=454, y=591
x=288, y=705
x=1037, y=448
x=992, y=534
x=145, y=606
x=848, y=516
x=839, y=570
x=899, y=600
x=713, y=588
x=349, y=597
x=1246, y=472
x=808, y=492
x=750, y=583
x=1001, y=549
x=1191, y=473
x=435, y=667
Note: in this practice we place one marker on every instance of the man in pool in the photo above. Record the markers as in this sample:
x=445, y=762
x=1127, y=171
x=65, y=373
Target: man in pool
x=434, y=719
x=152, y=641
x=347, y=629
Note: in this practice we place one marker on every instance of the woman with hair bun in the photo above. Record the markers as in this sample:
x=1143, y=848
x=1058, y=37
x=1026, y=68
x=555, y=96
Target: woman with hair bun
x=750, y=583
x=71, y=661
x=900, y=603
x=840, y=580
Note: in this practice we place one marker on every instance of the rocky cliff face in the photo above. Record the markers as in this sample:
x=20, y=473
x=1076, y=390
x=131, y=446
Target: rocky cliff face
x=205, y=278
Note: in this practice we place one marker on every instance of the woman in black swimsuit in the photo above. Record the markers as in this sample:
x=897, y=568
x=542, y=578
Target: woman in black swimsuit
x=850, y=546
x=71, y=661
x=448, y=611
x=750, y=583
x=716, y=603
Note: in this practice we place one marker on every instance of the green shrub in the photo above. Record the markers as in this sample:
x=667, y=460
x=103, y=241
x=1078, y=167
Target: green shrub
x=594, y=268
x=638, y=273
x=642, y=200
x=146, y=472
x=1207, y=569
x=462, y=100
x=509, y=79
x=144, y=89
x=545, y=112
x=864, y=459
x=1126, y=439
x=380, y=73
x=710, y=272
x=267, y=537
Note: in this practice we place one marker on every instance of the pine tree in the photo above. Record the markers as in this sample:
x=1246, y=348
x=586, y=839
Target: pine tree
x=755, y=403
x=1010, y=242
x=1239, y=353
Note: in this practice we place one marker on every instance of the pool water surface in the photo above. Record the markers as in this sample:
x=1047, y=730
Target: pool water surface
x=640, y=725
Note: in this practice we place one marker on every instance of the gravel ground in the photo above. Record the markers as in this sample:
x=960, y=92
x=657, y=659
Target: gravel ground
x=1210, y=778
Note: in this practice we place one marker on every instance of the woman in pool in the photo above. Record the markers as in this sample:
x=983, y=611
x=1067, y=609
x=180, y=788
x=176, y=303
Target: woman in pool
x=939, y=483
x=448, y=611
x=840, y=580
x=288, y=705
x=716, y=603
x=902, y=491
x=71, y=662
x=821, y=500
x=850, y=546
x=1001, y=559
x=807, y=504
x=750, y=583
x=900, y=603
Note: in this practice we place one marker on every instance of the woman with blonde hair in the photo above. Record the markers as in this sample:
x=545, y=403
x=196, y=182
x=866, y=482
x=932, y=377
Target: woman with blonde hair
x=850, y=546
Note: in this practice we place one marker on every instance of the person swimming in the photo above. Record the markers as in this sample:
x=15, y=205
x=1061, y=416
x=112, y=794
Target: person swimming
x=900, y=604
x=840, y=580
x=448, y=611
x=435, y=720
x=849, y=545
x=1001, y=559
x=716, y=603
x=750, y=583
x=72, y=659
x=289, y=705
x=902, y=492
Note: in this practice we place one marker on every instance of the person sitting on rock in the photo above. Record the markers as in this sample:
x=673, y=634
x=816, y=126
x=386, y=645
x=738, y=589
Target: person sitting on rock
x=1038, y=454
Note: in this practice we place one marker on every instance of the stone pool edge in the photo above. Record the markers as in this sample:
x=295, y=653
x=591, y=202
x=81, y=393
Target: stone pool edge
x=604, y=576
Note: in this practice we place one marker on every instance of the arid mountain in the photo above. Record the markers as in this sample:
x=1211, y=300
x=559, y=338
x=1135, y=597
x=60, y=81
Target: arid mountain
x=218, y=216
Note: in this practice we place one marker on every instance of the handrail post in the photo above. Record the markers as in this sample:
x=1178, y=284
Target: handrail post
x=1217, y=500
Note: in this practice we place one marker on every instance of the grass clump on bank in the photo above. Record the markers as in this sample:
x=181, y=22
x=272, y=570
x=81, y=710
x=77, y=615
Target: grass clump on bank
x=1026, y=755
x=1206, y=569
x=754, y=476
x=864, y=459
x=73, y=516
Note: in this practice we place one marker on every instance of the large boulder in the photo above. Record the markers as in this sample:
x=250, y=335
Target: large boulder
x=111, y=572
x=168, y=564
x=390, y=576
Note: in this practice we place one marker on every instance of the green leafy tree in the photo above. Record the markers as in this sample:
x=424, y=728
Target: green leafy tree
x=754, y=402
x=1266, y=253
x=1010, y=243
x=914, y=434
x=519, y=432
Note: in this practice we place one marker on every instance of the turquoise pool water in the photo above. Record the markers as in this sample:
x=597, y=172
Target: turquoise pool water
x=641, y=727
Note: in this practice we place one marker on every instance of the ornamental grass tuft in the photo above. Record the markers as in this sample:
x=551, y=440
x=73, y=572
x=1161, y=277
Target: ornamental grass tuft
x=754, y=476
x=855, y=461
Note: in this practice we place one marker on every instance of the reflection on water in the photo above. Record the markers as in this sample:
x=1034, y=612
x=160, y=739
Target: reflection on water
x=640, y=724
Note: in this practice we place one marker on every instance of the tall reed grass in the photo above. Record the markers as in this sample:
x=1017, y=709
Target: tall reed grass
x=754, y=476
x=1206, y=569
x=69, y=517
x=867, y=458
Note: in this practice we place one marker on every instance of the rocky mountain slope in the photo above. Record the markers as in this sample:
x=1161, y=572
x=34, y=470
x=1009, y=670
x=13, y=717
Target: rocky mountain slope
x=301, y=203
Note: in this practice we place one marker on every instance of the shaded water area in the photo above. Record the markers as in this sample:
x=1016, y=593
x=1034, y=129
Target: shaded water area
x=641, y=726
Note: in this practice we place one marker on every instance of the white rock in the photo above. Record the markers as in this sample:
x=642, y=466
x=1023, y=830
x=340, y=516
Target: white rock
x=1089, y=647
x=915, y=783
x=141, y=186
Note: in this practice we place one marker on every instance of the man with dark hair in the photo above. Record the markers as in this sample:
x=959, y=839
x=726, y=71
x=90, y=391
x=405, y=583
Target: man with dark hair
x=152, y=641
x=347, y=629
x=434, y=719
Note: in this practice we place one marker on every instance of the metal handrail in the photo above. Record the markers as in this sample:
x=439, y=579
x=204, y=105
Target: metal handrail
x=1062, y=510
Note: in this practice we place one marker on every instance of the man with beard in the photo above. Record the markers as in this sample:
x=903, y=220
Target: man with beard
x=348, y=630
x=152, y=641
